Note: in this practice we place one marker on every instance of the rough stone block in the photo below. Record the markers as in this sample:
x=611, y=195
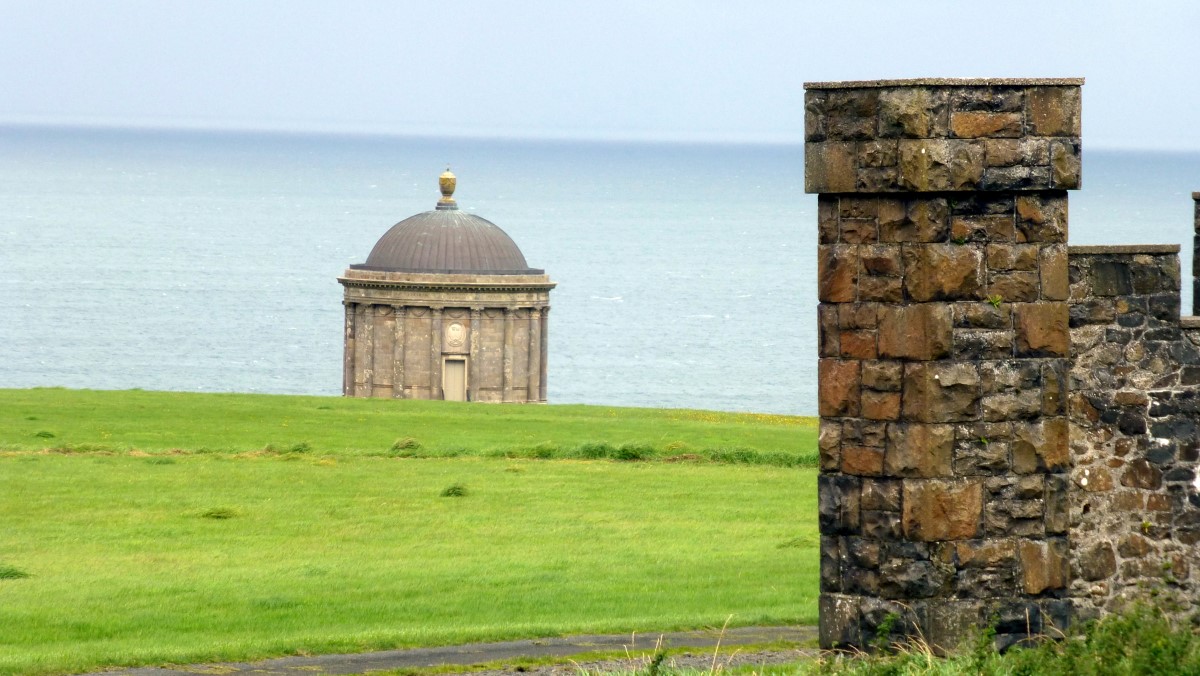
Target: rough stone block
x=831, y=564
x=982, y=316
x=828, y=228
x=1053, y=111
x=1042, y=217
x=1054, y=272
x=1041, y=446
x=941, y=392
x=883, y=376
x=858, y=344
x=838, y=511
x=829, y=167
x=937, y=510
x=918, y=450
x=1042, y=329
x=1044, y=565
x=943, y=272
x=974, y=344
x=1065, y=166
x=922, y=331
x=827, y=330
x=829, y=444
x=1096, y=561
x=989, y=228
x=1014, y=287
x=910, y=112
x=862, y=460
x=918, y=220
x=1002, y=256
x=838, y=386
x=881, y=495
x=980, y=124
x=840, y=621
x=880, y=405
x=1058, y=505
x=837, y=273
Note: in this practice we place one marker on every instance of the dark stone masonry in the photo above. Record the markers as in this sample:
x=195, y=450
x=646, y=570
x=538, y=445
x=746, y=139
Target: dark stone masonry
x=1008, y=425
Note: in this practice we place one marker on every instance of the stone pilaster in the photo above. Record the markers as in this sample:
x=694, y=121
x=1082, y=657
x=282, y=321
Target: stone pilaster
x=398, y=345
x=508, y=354
x=476, y=355
x=435, y=353
x=533, y=369
x=364, y=350
x=943, y=335
x=348, y=352
x=545, y=347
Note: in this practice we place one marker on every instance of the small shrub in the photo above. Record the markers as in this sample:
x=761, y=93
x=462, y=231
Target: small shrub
x=302, y=447
x=406, y=444
x=454, y=490
x=633, y=452
x=219, y=513
x=8, y=572
x=594, y=450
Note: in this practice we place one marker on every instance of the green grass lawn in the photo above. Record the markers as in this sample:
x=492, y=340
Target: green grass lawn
x=117, y=551
x=160, y=421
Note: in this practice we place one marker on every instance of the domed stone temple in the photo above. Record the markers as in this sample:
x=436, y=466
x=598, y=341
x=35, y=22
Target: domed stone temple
x=446, y=307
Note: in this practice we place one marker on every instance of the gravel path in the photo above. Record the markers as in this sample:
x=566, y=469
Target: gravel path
x=481, y=653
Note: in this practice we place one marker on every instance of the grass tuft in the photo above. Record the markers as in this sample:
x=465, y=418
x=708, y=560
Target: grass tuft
x=43, y=434
x=8, y=572
x=455, y=490
x=219, y=513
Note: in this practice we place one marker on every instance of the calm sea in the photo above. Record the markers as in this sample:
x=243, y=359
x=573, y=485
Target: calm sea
x=208, y=261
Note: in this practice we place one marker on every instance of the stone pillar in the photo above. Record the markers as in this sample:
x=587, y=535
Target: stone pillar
x=508, y=354
x=401, y=315
x=533, y=369
x=348, y=352
x=943, y=321
x=435, y=353
x=544, y=335
x=1196, y=256
x=475, y=358
x=364, y=344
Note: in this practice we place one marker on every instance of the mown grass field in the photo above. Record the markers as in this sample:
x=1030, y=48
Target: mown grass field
x=159, y=527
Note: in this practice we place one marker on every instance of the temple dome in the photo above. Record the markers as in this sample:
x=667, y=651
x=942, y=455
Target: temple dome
x=448, y=241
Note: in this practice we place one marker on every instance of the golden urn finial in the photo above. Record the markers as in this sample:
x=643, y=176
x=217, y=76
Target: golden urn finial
x=447, y=182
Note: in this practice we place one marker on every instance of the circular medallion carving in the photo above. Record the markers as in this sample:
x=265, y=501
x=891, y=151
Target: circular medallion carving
x=455, y=335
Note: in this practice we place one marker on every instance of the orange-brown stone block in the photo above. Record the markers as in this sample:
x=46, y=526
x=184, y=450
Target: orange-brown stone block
x=941, y=392
x=837, y=273
x=862, y=460
x=978, y=124
x=922, y=331
x=916, y=450
x=1043, y=565
x=1053, y=111
x=936, y=510
x=838, y=387
x=1042, y=329
x=943, y=272
x=880, y=405
x=1041, y=446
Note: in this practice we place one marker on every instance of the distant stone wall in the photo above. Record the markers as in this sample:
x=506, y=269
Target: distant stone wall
x=1135, y=431
x=943, y=284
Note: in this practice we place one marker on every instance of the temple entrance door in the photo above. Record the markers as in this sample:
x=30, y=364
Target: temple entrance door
x=454, y=380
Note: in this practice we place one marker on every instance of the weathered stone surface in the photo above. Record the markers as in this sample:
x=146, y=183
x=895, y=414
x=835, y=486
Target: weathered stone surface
x=1042, y=329
x=880, y=405
x=977, y=124
x=940, y=392
x=862, y=460
x=1054, y=111
x=1096, y=562
x=908, y=112
x=858, y=344
x=1042, y=217
x=1041, y=446
x=918, y=220
x=884, y=376
x=936, y=509
x=919, y=450
x=829, y=444
x=838, y=511
x=1044, y=565
x=1052, y=266
x=882, y=495
x=921, y=331
x=837, y=273
x=838, y=386
x=829, y=167
x=943, y=272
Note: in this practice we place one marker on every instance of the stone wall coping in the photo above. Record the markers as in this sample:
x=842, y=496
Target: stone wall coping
x=1077, y=250
x=1196, y=195
x=952, y=82
x=1189, y=322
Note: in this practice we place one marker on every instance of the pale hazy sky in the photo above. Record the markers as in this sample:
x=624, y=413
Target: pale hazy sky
x=667, y=69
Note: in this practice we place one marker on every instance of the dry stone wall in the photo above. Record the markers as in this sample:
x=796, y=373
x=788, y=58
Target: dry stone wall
x=1135, y=440
x=943, y=283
